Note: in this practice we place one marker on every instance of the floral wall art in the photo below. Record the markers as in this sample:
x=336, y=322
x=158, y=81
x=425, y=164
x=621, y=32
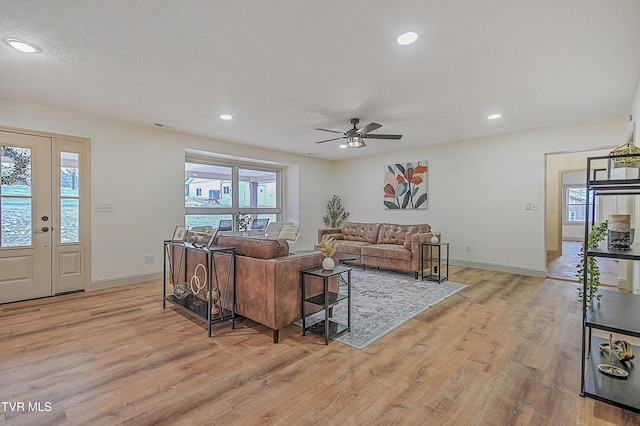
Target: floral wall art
x=405, y=186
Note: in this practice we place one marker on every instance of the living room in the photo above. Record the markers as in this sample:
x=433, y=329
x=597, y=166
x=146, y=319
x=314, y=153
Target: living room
x=478, y=187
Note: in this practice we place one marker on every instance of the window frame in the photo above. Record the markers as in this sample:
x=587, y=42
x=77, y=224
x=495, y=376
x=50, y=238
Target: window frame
x=565, y=200
x=235, y=208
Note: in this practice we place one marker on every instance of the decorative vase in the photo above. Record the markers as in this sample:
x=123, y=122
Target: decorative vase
x=244, y=233
x=434, y=239
x=328, y=264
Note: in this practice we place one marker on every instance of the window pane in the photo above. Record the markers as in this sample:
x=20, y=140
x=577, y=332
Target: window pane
x=576, y=198
x=15, y=191
x=16, y=171
x=206, y=220
x=576, y=213
x=257, y=188
x=69, y=174
x=207, y=186
x=69, y=220
x=16, y=222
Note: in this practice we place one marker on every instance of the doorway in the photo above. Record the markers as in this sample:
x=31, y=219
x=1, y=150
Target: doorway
x=44, y=215
x=564, y=216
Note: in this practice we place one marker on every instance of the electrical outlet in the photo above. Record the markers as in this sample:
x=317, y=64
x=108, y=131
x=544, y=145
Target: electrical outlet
x=149, y=258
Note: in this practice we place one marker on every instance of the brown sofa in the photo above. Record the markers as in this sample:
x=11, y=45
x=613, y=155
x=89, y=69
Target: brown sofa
x=267, y=279
x=383, y=245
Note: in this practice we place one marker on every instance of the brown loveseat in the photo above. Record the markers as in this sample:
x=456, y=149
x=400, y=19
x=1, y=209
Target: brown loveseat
x=383, y=245
x=267, y=279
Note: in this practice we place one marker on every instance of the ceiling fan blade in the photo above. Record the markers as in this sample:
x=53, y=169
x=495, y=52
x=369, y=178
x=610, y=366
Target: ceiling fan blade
x=377, y=136
x=368, y=128
x=329, y=140
x=327, y=130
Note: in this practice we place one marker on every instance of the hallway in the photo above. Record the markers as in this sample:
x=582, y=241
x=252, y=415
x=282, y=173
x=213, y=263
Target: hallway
x=564, y=267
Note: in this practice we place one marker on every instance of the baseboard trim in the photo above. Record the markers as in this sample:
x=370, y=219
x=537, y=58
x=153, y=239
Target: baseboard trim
x=539, y=273
x=132, y=279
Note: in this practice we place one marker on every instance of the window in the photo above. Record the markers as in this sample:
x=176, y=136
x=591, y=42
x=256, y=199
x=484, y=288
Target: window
x=575, y=204
x=217, y=191
x=16, y=197
x=69, y=197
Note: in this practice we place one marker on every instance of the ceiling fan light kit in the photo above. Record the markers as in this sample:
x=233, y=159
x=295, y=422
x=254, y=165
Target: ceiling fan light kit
x=355, y=137
x=355, y=142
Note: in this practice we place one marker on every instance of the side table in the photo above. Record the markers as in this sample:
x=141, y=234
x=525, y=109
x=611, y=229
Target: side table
x=327, y=299
x=189, y=301
x=435, y=261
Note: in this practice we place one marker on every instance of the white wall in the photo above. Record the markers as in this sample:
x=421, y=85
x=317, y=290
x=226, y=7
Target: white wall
x=478, y=189
x=141, y=170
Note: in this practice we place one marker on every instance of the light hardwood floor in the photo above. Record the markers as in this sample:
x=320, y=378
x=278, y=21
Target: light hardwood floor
x=504, y=351
x=564, y=267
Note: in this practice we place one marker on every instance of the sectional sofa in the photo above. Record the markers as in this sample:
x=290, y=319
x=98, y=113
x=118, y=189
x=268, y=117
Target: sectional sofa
x=383, y=245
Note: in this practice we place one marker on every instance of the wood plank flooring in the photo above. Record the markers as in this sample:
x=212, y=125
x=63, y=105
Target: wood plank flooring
x=564, y=267
x=504, y=351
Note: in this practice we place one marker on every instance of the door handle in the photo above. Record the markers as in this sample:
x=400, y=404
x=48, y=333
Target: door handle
x=43, y=229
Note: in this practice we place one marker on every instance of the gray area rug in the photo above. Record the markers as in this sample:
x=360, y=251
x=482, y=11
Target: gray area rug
x=382, y=301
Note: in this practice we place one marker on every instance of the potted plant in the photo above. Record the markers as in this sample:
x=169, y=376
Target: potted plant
x=335, y=213
x=597, y=234
x=327, y=247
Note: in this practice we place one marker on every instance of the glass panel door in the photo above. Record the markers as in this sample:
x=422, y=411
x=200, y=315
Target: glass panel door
x=25, y=217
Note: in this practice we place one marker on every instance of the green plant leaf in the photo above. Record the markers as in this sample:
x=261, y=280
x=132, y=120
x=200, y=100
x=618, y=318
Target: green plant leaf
x=405, y=202
x=421, y=200
x=390, y=205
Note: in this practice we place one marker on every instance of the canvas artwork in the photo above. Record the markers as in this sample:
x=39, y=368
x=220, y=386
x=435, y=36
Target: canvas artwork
x=405, y=186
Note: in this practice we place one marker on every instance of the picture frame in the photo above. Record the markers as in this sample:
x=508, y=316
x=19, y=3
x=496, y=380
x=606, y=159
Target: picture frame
x=179, y=233
x=201, y=236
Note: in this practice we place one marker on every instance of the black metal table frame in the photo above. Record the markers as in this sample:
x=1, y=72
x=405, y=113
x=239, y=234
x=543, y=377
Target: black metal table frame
x=211, y=272
x=430, y=276
x=329, y=299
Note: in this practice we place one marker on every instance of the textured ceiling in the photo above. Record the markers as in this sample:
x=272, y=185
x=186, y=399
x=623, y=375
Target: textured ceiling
x=285, y=67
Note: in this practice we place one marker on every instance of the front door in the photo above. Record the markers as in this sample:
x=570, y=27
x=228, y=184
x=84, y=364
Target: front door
x=25, y=217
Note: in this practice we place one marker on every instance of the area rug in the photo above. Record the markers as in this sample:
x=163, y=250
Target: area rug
x=382, y=301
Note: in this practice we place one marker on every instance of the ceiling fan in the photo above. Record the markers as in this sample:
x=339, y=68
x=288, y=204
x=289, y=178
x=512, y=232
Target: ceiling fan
x=355, y=137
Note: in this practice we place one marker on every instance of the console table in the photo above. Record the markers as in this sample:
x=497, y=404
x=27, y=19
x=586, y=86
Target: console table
x=327, y=299
x=183, y=296
x=435, y=262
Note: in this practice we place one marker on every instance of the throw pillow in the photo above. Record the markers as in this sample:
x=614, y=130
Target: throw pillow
x=289, y=232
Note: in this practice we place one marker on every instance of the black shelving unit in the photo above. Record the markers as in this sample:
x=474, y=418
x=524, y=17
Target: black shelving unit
x=616, y=312
x=327, y=299
x=193, y=304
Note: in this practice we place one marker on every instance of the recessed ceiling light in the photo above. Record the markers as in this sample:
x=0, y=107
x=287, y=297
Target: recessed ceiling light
x=494, y=116
x=343, y=145
x=226, y=116
x=20, y=45
x=407, y=38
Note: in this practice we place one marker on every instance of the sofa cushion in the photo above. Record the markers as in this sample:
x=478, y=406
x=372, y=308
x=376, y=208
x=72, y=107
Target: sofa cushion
x=414, y=229
x=255, y=247
x=389, y=251
x=392, y=233
x=366, y=232
x=351, y=247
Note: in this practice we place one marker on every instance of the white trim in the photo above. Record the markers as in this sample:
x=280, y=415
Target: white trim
x=540, y=273
x=132, y=279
